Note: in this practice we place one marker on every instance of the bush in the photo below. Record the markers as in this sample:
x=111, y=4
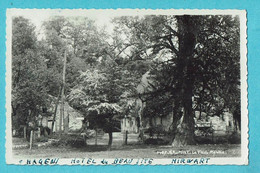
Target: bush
x=41, y=139
x=45, y=131
x=76, y=143
x=71, y=140
x=155, y=130
x=203, y=140
x=157, y=141
x=234, y=138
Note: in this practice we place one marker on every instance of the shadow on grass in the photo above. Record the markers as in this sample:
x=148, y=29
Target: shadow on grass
x=78, y=144
x=81, y=146
x=93, y=148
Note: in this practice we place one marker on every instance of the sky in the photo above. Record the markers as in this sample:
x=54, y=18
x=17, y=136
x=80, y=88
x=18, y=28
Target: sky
x=38, y=16
x=102, y=17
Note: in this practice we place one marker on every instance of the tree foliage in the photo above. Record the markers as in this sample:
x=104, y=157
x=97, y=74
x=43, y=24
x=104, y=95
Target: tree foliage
x=100, y=95
x=29, y=92
x=195, y=64
x=191, y=63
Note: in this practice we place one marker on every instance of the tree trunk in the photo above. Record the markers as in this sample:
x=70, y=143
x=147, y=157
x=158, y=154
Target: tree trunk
x=55, y=111
x=200, y=113
x=126, y=136
x=62, y=110
x=96, y=136
x=185, y=129
x=110, y=134
x=187, y=40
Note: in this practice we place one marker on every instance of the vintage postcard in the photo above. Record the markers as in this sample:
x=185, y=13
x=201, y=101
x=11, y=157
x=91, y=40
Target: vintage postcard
x=126, y=86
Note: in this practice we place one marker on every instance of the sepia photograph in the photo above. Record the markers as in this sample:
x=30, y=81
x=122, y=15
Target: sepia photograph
x=126, y=86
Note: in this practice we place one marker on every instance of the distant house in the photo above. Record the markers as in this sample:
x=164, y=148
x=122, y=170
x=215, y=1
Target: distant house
x=132, y=123
x=72, y=120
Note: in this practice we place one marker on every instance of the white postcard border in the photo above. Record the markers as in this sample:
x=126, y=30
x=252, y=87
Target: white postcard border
x=243, y=160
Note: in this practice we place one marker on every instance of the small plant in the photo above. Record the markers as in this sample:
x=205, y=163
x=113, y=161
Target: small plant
x=41, y=139
x=234, y=138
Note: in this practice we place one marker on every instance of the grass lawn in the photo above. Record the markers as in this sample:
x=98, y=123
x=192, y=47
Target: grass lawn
x=72, y=146
x=131, y=151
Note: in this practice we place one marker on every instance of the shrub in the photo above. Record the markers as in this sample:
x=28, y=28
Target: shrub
x=41, y=139
x=234, y=138
x=155, y=130
x=71, y=140
x=157, y=141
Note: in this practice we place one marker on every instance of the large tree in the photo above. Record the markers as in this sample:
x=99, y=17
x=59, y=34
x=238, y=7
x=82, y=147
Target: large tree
x=29, y=75
x=99, y=96
x=192, y=56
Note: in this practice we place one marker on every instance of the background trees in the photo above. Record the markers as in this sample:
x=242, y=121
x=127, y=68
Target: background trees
x=192, y=63
x=29, y=84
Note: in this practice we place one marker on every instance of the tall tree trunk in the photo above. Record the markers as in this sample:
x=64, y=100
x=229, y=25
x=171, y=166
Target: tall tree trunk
x=110, y=135
x=187, y=40
x=95, y=136
x=55, y=111
x=63, y=128
x=125, y=138
x=185, y=129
